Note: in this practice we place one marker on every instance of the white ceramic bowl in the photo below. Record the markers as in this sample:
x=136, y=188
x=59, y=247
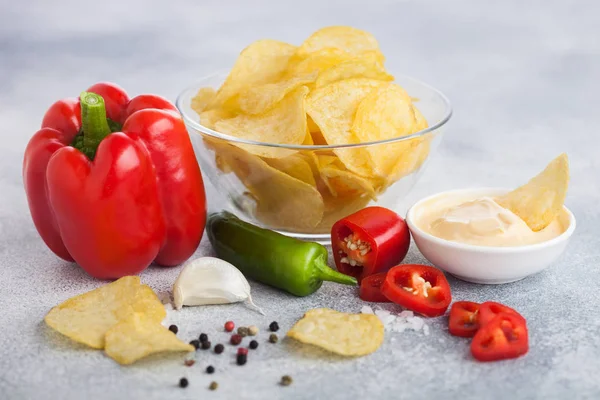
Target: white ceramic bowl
x=485, y=264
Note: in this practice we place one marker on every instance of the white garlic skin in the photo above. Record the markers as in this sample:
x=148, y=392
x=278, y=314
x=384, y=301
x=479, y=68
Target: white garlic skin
x=209, y=280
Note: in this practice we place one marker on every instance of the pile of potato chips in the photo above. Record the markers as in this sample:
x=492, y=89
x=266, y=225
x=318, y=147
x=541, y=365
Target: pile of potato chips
x=123, y=318
x=333, y=89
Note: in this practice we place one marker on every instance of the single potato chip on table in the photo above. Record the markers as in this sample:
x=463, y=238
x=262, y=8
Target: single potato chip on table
x=340, y=333
x=87, y=317
x=140, y=336
x=539, y=201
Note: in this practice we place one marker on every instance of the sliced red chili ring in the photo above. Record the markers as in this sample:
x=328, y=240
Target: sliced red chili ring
x=464, y=319
x=419, y=288
x=505, y=336
x=370, y=288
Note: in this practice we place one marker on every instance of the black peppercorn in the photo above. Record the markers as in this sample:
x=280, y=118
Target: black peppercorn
x=210, y=369
x=203, y=337
x=196, y=344
x=241, y=359
x=205, y=345
x=174, y=329
x=253, y=344
x=183, y=382
x=219, y=348
x=274, y=326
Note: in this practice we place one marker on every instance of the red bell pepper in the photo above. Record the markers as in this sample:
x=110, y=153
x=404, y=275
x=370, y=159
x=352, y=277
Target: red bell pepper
x=369, y=241
x=505, y=336
x=370, y=288
x=464, y=319
x=419, y=288
x=113, y=184
x=489, y=310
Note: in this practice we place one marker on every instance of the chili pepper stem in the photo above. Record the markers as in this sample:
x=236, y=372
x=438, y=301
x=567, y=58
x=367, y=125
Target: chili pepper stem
x=93, y=122
x=325, y=273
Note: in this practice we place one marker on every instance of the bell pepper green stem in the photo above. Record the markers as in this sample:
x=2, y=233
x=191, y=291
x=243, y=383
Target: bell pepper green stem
x=93, y=122
x=325, y=273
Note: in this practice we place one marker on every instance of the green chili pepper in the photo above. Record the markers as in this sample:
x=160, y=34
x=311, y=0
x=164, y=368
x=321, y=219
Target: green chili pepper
x=265, y=256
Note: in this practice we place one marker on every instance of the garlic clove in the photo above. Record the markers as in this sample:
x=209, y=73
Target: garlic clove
x=210, y=280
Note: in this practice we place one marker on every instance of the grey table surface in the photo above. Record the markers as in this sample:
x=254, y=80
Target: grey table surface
x=523, y=79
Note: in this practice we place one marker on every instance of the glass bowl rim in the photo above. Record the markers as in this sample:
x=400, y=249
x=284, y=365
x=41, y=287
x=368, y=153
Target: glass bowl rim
x=233, y=139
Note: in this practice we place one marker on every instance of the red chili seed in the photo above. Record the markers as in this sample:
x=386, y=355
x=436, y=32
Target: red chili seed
x=235, y=339
x=243, y=350
x=229, y=326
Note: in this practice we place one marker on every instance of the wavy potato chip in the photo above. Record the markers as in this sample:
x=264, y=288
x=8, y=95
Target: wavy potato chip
x=295, y=166
x=332, y=108
x=541, y=199
x=337, y=208
x=367, y=65
x=385, y=113
x=346, y=38
x=203, y=98
x=87, y=317
x=344, y=183
x=259, y=99
x=138, y=337
x=261, y=62
x=316, y=62
x=209, y=118
x=281, y=201
x=284, y=124
x=338, y=332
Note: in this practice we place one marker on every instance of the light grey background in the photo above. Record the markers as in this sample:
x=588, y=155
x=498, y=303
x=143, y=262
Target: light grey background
x=523, y=79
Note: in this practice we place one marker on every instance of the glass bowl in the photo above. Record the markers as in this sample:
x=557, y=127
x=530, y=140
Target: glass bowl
x=306, y=188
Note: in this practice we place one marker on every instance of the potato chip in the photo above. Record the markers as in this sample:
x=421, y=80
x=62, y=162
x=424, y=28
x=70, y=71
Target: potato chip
x=138, y=337
x=365, y=66
x=343, y=183
x=209, y=118
x=283, y=124
x=340, y=333
x=295, y=166
x=261, y=62
x=337, y=208
x=386, y=113
x=539, y=201
x=259, y=99
x=203, y=98
x=316, y=62
x=420, y=121
x=87, y=317
x=348, y=39
x=332, y=108
x=281, y=201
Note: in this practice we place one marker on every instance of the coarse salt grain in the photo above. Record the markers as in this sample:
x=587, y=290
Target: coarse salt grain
x=405, y=320
x=366, y=310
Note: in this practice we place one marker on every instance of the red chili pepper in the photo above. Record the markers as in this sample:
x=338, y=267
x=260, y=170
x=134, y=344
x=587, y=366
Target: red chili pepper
x=369, y=241
x=114, y=197
x=370, y=288
x=503, y=337
x=464, y=318
x=420, y=288
x=489, y=310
